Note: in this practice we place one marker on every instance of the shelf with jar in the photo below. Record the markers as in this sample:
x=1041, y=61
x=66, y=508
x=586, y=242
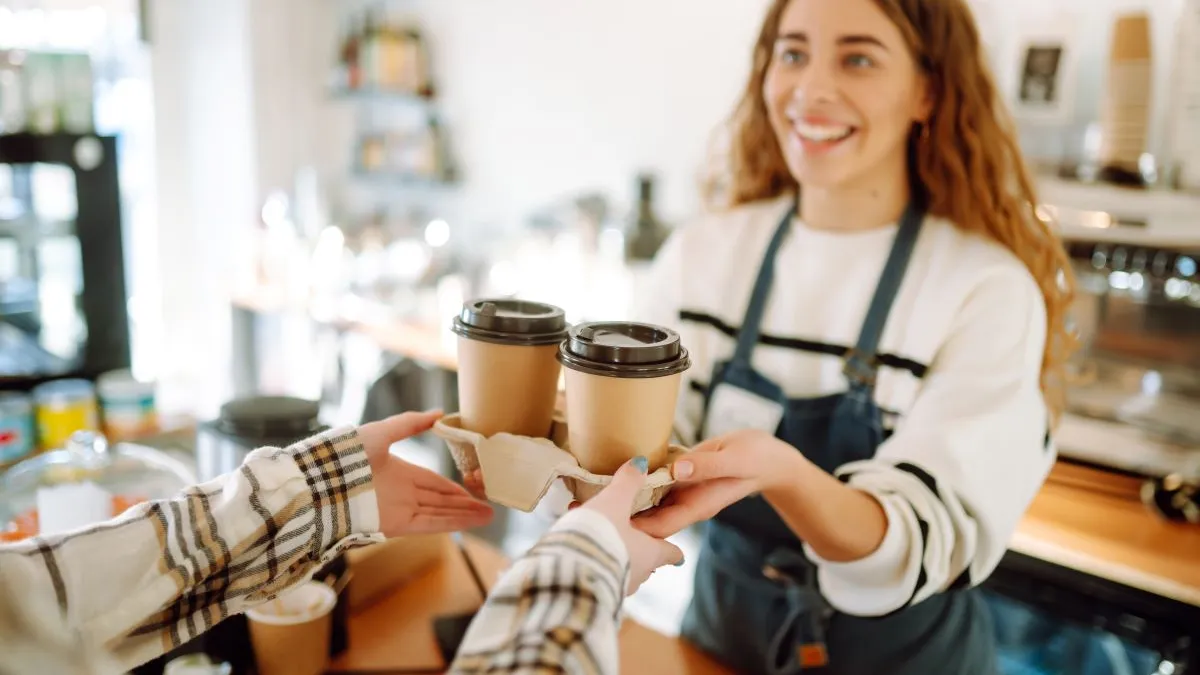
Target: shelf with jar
x=382, y=57
x=383, y=67
x=410, y=155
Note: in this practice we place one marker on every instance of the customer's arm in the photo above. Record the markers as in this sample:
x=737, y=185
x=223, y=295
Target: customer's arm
x=557, y=609
x=166, y=571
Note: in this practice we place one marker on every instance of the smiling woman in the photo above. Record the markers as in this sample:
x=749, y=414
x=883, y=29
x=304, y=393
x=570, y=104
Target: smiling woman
x=876, y=326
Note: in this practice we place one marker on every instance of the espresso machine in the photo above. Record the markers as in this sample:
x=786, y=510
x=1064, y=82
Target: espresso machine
x=1133, y=396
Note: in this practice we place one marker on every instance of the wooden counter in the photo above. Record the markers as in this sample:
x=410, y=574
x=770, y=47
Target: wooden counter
x=1075, y=521
x=396, y=633
x=1089, y=521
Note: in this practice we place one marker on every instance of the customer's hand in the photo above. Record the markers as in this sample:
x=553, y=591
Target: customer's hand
x=615, y=502
x=473, y=481
x=717, y=473
x=413, y=500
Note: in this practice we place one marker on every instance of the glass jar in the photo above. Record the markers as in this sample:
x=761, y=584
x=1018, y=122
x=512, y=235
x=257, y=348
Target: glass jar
x=63, y=407
x=86, y=482
x=17, y=441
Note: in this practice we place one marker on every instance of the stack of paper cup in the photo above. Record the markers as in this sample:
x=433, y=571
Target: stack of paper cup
x=1125, y=110
x=291, y=633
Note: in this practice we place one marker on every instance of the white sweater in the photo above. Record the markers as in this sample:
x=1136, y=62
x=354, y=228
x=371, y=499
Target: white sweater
x=968, y=319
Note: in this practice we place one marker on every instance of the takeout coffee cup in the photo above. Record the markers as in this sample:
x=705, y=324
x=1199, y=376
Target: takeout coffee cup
x=507, y=366
x=622, y=387
x=291, y=633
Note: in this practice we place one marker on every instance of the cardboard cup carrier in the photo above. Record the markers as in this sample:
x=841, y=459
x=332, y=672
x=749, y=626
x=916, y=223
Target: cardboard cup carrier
x=622, y=387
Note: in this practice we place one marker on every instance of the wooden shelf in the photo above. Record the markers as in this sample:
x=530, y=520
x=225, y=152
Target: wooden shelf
x=382, y=95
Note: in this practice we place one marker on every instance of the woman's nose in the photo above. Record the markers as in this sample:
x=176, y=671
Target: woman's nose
x=816, y=83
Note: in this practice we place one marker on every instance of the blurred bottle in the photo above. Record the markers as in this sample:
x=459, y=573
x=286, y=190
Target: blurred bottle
x=350, y=65
x=370, y=52
x=645, y=233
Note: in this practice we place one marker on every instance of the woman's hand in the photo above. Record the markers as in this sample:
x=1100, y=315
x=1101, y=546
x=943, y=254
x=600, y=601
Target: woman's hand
x=615, y=502
x=413, y=500
x=719, y=472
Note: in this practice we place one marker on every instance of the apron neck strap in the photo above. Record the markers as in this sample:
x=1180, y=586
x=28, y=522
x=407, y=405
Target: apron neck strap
x=752, y=323
x=860, y=362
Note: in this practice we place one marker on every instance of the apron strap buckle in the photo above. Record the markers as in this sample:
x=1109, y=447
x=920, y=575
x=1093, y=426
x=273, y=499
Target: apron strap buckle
x=790, y=568
x=859, y=368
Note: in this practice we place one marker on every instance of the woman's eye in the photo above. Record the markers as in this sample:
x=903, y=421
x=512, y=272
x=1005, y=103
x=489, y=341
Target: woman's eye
x=860, y=61
x=792, y=56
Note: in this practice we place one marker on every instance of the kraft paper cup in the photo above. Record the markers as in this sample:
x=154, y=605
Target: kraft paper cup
x=291, y=633
x=622, y=387
x=507, y=365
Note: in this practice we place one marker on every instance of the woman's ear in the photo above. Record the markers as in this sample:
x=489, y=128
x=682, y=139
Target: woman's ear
x=926, y=99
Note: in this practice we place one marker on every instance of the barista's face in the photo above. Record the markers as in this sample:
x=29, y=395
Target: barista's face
x=842, y=93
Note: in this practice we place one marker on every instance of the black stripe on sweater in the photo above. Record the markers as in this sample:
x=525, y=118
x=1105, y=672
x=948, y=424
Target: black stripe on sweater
x=701, y=388
x=963, y=580
x=889, y=360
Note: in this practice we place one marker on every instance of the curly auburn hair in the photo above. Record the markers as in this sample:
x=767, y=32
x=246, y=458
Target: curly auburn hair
x=967, y=157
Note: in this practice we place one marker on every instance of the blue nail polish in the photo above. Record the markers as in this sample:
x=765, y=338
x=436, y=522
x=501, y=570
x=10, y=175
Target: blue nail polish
x=680, y=563
x=641, y=464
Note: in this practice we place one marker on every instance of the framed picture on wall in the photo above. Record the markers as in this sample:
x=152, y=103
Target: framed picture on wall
x=1043, y=78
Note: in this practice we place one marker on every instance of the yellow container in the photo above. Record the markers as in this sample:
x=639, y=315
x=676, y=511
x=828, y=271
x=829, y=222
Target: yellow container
x=63, y=407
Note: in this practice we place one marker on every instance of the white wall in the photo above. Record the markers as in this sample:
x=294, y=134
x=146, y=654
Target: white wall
x=206, y=164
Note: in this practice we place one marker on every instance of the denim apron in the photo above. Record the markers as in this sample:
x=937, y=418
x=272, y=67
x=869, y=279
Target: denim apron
x=756, y=605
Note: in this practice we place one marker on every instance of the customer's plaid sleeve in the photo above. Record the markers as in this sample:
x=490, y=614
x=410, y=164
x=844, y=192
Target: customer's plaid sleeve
x=557, y=609
x=166, y=571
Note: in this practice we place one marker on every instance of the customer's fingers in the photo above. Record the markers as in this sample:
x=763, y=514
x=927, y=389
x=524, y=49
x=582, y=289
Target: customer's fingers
x=405, y=425
x=617, y=497
x=668, y=553
x=431, y=524
x=473, y=481
x=454, y=501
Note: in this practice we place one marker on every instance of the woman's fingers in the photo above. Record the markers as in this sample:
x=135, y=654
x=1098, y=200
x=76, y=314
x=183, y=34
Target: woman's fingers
x=704, y=465
x=691, y=504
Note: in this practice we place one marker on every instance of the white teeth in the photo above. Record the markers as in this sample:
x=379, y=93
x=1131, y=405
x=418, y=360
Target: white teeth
x=819, y=132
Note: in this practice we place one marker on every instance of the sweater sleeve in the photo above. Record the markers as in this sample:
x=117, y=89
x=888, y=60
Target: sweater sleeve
x=963, y=465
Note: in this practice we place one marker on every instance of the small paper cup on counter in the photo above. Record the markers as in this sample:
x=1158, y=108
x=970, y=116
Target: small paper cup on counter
x=291, y=634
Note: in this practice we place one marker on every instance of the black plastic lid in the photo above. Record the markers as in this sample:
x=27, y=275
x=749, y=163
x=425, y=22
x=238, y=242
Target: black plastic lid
x=270, y=418
x=624, y=349
x=511, y=322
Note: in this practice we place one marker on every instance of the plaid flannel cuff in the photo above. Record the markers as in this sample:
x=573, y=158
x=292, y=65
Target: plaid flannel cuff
x=335, y=466
x=602, y=550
